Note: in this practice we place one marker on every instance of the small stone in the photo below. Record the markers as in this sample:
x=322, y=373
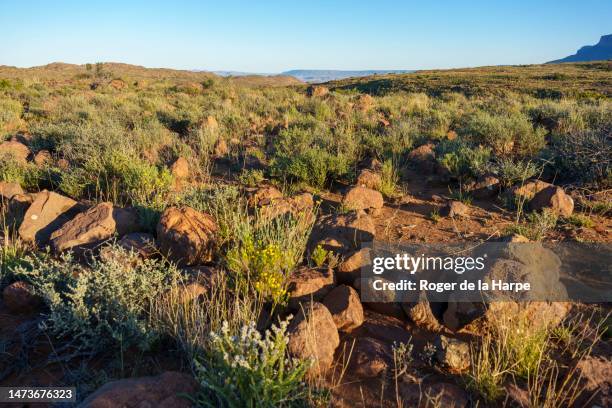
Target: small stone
x=455, y=209
x=452, y=353
x=9, y=190
x=369, y=179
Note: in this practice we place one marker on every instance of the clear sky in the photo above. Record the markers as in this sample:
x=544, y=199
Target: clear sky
x=273, y=36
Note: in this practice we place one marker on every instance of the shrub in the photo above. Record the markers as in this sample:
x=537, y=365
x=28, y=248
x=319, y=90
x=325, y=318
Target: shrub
x=584, y=156
x=512, y=172
x=117, y=177
x=25, y=174
x=313, y=166
x=10, y=112
x=509, y=135
x=101, y=307
x=461, y=160
x=247, y=369
x=251, y=177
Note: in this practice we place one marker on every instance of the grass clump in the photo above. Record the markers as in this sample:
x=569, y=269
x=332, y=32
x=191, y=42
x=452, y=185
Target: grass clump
x=536, y=225
x=389, y=179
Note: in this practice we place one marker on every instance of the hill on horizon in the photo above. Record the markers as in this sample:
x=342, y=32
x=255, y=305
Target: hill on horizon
x=599, y=52
x=324, y=75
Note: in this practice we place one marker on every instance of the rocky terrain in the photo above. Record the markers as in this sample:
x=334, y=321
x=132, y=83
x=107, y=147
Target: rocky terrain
x=175, y=243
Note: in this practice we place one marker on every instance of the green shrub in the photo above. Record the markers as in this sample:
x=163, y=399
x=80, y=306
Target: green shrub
x=461, y=160
x=251, y=177
x=25, y=174
x=246, y=369
x=101, y=307
x=584, y=156
x=511, y=172
x=312, y=166
x=10, y=111
x=510, y=135
x=117, y=177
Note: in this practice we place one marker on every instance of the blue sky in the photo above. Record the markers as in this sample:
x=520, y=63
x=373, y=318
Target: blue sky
x=273, y=36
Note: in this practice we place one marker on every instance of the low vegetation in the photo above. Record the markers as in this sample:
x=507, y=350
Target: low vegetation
x=241, y=152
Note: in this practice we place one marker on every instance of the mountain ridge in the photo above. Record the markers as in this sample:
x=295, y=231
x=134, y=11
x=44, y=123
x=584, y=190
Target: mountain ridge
x=599, y=52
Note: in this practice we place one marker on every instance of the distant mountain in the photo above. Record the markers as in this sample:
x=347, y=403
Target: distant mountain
x=598, y=52
x=322, y=75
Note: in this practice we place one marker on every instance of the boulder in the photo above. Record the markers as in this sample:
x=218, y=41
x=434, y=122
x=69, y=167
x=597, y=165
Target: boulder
x=421, y=314
x=368, y=178
x=384, y=302
x=313, y=335
x=316, y=91
x=455, y=209
x=486, y=187
x=19, y=297
x=423, y=158
x=555, y=199
x=17, y=150
x=180, y=169
x=43, y=157
x=140, y=242
x=294, y=205
x=47, y=213
x=8, y=190
x=307, y=284
x=518, y=263
x=370, y=358
x=187, y=236
x=362, y=198
x=529, y=189
x=346, y=309
x=264, y=196
x=354, y=228
x=94, y=226
x=452, y=354
x=167, y=390
x=350, y=268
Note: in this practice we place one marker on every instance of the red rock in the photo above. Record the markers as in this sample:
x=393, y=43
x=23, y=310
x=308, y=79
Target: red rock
x=555, y=199
x=346, y=309
x=47, y=213
x=306, y=284
x=167, y=390
x=313, y=335
x=187, y=236
x=362, y=198
x=19, y=297
x=94, y=226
